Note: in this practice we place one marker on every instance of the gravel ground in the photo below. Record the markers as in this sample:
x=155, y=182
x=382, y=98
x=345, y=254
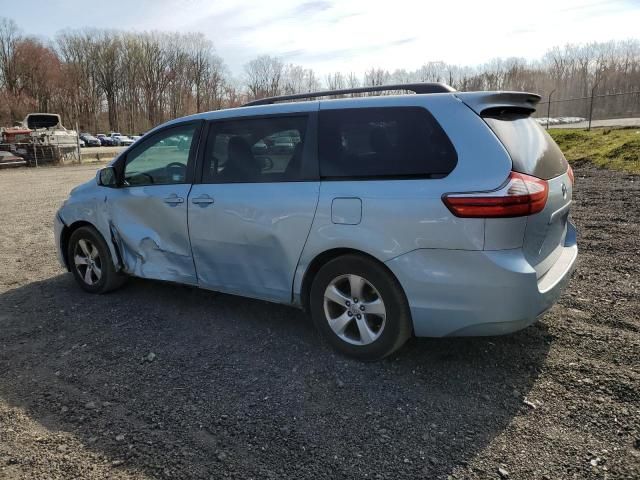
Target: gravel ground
x=163, y=381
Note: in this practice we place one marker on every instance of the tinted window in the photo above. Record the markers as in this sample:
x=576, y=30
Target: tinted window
x=374, y=142
x=255, y=150
x=162, y=159
x=531, y=148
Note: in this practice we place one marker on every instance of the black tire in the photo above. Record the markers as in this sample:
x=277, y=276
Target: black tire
x=397, y=321
x=109, y=279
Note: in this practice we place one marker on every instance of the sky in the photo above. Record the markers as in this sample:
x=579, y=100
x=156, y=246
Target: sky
x=350, y=35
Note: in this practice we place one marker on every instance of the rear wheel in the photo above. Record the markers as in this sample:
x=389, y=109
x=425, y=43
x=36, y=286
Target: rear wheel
x=360, y=308
x=90, y=262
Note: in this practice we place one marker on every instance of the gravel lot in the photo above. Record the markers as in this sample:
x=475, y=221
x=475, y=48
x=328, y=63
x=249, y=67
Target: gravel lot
x=163, y=381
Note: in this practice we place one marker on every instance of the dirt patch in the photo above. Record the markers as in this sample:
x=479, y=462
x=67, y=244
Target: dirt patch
x=163, y=381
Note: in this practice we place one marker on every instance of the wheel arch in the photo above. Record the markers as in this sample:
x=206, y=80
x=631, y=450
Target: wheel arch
x=65, y=235
x=323, y=258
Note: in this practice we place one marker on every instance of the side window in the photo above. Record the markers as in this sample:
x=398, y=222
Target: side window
x=255, y=150
x=162, y=159
x=379, y=142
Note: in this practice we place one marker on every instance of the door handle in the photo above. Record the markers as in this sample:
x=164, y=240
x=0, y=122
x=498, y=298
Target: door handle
x=202, y=200
x=173, y=199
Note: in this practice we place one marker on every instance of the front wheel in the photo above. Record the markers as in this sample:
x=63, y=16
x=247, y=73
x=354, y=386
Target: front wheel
x=90, y=262
x=360, y=308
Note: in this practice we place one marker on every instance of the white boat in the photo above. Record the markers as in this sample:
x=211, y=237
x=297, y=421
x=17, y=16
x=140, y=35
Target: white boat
x=47, y=129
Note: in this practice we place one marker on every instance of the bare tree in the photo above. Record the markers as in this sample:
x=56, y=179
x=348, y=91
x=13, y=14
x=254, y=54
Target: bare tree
x=264, y=76
x=133, y=81
x=336, y=81
x=202, y=63
x=155, y=73
x=9, y=37
x=75, y=49
x=376, y=76
x=107, y=52
x=38, y=72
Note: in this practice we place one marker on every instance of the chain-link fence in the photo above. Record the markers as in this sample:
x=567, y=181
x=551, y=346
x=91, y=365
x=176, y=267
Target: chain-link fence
x=595, y=110
x=33, y=154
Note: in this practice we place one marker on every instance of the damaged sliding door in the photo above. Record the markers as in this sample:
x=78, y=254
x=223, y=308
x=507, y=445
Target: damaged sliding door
x=148, y=213
x=250, y=216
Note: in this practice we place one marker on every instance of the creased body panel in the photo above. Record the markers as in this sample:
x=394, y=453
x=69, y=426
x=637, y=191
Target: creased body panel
x=87, y=204
x=249, y=239
x=151, y=235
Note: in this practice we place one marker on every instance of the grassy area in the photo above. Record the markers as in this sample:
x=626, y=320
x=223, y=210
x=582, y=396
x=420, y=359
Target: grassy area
x=618, y=149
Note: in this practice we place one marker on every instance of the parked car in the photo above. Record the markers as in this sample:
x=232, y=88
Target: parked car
x=115, y=138
x=431, y=214
x=105, y=141
x=8, y=160
x=120, y=140
x=90, y=140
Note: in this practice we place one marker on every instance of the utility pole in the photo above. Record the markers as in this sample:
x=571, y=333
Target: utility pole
x=549, y=107
x=78, y=143
x=593, y=90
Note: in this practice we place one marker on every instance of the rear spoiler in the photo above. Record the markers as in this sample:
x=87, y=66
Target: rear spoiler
x=480, y=102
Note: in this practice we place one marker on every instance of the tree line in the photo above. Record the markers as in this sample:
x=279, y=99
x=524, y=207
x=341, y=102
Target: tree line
x=109, y=80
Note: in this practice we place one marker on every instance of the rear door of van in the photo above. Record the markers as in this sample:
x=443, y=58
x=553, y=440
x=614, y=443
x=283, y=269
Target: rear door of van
x=252, y=207
x=533, y=152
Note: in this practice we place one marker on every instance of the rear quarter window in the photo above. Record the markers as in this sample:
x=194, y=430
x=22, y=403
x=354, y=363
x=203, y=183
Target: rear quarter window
x=383, y=142
x=531, y=148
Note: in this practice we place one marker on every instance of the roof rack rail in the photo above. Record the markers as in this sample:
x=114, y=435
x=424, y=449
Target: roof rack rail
x=411, y=87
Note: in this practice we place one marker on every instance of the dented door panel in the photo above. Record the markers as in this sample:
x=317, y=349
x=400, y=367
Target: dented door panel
x=249, y=239
x=148, y=224
x=88, y=204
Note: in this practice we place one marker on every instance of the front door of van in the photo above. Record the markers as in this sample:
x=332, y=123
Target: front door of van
x=250, y=216
x=148, y=213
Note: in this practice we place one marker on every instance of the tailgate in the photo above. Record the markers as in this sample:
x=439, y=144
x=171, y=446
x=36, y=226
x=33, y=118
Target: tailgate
x=534, y=152
x=546, y=231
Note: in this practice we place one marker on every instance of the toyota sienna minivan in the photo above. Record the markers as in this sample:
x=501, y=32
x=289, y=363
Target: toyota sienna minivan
x=439, y=213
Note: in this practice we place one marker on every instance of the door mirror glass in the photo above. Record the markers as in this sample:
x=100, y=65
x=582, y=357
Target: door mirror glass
x=107, y=177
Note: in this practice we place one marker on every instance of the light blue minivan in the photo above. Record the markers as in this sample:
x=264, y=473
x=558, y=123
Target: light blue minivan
x=438, y=213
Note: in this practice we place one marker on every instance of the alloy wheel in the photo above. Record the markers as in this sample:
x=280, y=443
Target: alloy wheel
x=86, y=259
x=354, y=309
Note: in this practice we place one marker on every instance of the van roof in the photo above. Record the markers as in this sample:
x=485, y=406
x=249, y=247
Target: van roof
x=479, y=101
x=419, y=88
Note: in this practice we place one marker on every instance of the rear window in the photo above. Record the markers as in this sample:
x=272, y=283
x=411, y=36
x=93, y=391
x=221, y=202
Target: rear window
x=531, y=148
x=383, y=142
x=42, y=120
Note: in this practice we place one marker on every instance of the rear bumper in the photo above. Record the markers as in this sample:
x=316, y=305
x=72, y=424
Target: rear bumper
x=474, y=293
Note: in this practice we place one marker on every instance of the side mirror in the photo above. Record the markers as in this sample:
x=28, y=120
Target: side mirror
x=107, y=177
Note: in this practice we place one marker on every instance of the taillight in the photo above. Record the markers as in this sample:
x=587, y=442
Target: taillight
x=519, y=196
x=571, y=177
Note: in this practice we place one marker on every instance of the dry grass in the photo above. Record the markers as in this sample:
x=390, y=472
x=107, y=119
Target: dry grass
x=618, y=149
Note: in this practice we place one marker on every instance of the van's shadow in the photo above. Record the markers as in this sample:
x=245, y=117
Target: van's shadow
x=246, y=388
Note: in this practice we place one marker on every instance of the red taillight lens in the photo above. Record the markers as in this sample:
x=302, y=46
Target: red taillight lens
x=571, y=177
x=520, y=195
